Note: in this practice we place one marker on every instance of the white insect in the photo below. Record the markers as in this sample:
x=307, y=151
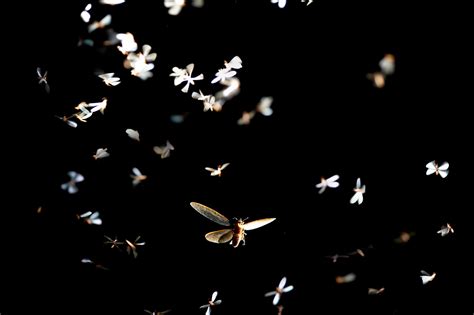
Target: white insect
x=446, y=229
x=101, y=153
x=84, y=113
x=426, y=277
x=106, y=20
x=211, y=303
x=98, y=106
x=85, y=15
x=227, y=72
x=231, y=90
x=132, y=246
x=350, y=277
x=281, y=3
x=70, y=186
x=90, y=218
x=331, y=182
x=218, y=171
x=264, y=106
x=67, y=120
x=387, y=64
x=209, y=101
x=133, y=134
x=128, y=43
x=432, y=167
x=137, y=176
x=91, y=262
x=185, y=77
x=156, y=312
x=112, y=2
x=373, y=291
x=164, y=151
x=43, y=79
x=174, y=6
x=109, y=79
x=359, y=193
x=279, y=291
x=141, y=63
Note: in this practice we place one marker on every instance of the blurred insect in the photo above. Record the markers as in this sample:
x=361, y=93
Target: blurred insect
x=101, y=153
x=109, y=79
x=246, y=118
x=227, y=72
x=334, y=258
x=67, y=120
x=387, y=64
x=236, y=234
x=164, y=151
x=377, y=78
x=106, y=20
x=137, y=176
x=112, y=2
x=432, y=167
x=330, y=182
x=359, y=193
x=372, y=291
x=132, y=246
x=426, y=277
x=91, y=262
x=404, y=237
x=157, y=313
x=280, y=309
x=309, y=2
x=43, y=79
x=264, y=106
x=84, y=113
x=127, y=42
x=114, y=243
x=70, y=186
x=218, y=171
x=98, y=106
x=350, y=277
x=133, y=134
x=211, y=303
x=91, y=218
x=281, y=3
x=445, y=230
x=85, y=15
x=279, y=291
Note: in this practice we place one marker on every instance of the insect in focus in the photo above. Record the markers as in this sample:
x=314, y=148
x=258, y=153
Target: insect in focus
x=236, y=234
x=211, y=303
x=279, y=291
x=432, y=167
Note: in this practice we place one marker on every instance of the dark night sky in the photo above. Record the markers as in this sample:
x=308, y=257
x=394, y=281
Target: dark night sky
x=328, y=119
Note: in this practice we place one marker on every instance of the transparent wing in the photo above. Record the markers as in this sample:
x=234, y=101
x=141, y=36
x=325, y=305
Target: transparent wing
x=323, y=188
x=211, y=214
x=257, y=223
x=219, y=237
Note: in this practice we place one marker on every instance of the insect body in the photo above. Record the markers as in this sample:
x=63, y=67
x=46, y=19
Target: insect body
x=236, y=234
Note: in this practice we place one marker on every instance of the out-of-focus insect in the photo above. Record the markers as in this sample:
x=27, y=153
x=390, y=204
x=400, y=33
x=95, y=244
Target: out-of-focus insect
x=264, y=106
x=43, y=79
x=387, y=64
x=359, y=193
x=90, y=218
x=156, y=312
x=101, y=153
x=309, y=2
x=84, y=113
x=132, y=246
x=426, y=277
x=137, y=176
x=246, y=118
x=279, y=291
x=91, y=262
x=133, y=134
x=112, y=2
x=334, y=258
x=114, y=243
x=106, y=20
x=377, y=78
x=404, y=237
x=109, y=79
x=350, y=277
x=85, y=15
x=98, y=106
x=432, y=167
x=331, y=182
x=236, y=234
x=67, y=120
x=164, y=151
x=373, y=291
x=128, y=43
x=70, y=186
x=281, y=3
x=280, y=309
x=211, y=303
x=445, y=230
x=218, y=171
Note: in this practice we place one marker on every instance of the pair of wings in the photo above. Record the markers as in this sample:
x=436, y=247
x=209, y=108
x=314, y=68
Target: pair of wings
x=225, y=235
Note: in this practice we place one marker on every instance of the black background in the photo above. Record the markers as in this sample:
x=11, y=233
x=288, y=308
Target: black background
x=328, y=119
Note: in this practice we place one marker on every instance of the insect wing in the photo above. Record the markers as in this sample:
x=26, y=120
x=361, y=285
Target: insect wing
x=257, y=223
x=221, y=236
x=211, y=214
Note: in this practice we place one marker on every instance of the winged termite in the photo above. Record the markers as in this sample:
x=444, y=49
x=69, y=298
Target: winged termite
x=137, y=176
x=70, y=186
x=236, y=233
x=114, y=243
x=218, y=171
x=350, y=277
x=90, y=218
x=67, y=120
x=279, y=291
x=132, y=246
x=433, y=167
x=330, y=182
x=426, y=277
x=88, y=261
x=156, y=312
x=43, y=79
x=359, y=193
x=373, y=291
x=446, y=229
x=211, y=303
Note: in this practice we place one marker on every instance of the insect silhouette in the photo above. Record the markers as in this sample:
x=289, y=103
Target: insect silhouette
x=236, y=233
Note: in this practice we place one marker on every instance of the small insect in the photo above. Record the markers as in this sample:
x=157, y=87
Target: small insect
x=164, y=151
x=236, y=234
x=101, y=153
x=404, y=237
x=264, y=106
x=432, y=167
x=227, y=72
x=350, y=277
x=137, y=176
x=70, y=186
x=211, y=303
x=331, y=182
x=445, y=230
x=279, y=291
x=132, y=246
x=91, y=262
x=91, y=218
x=372, y=291
x=112, y=2
x=218, y=171
x=109, y=79
x=133, y=134
x=359, y=193
x=426, y=277
x=281, y=3
x=106, y=20
x=156, y=312
x=127, y=42
x=334, y=258
x=43, y=79
x=246, y=118
x=114, y=243
x=67, y=120
x=377, y=78
x=387, y=64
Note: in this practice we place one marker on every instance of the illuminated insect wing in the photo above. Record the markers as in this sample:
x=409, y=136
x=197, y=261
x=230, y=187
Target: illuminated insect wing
x=443, y=170
x=431, y=168
x=220, y=237
x=257, y=223
x=211, y=214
